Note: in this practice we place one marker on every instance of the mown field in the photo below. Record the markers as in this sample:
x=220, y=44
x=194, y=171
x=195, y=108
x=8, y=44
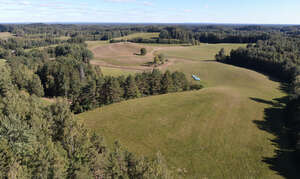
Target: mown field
x=107, y=71
x=5, y=35
x=212, y=133
x=126, y=55
x=202, y=52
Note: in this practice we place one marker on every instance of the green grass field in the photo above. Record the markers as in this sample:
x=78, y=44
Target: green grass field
x=212, y=132
x=202, y=52
x=107, y=71
x=139, y=35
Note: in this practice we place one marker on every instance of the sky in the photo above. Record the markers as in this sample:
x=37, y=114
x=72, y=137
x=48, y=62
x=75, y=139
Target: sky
x=152, y=11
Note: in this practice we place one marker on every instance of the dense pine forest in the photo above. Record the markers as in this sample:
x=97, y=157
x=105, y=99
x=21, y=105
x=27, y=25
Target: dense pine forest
x=53, y=61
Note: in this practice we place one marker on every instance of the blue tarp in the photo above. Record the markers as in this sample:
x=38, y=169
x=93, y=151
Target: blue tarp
x=196, y=77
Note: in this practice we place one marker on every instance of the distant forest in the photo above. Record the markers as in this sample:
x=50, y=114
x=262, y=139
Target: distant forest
x=36, y=35
x=39, y=141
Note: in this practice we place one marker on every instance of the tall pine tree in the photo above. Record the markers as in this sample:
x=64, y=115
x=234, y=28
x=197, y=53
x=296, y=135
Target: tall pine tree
x=131, y=90
x=167, y=85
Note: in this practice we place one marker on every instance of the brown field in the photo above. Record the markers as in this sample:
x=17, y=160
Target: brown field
x=5, y=35
x=126, y=56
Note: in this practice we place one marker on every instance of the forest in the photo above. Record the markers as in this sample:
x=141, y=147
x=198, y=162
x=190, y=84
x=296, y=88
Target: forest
x=46, y=141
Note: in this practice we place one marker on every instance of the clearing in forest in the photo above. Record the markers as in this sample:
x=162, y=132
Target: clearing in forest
x=217, y=132
x=126, y=56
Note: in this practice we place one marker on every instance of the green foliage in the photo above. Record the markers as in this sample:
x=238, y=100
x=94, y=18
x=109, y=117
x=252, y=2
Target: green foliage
x=221, y=55
x=25, y=79
x=167, y=83
x=108, y=90
x=159, y=59
x=65, y=76
x=40, y=141
x=131, y=89
x=111, y=91
x=143, y=51
x=77, y=51
x=155, y=82
x=4, y=53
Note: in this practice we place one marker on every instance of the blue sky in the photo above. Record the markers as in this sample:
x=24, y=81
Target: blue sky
x=161, y=11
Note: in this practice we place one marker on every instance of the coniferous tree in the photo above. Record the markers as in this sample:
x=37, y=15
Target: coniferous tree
x=155, y=82
x=131, y=89
x=180, y=82
x=167, y=85
x=142, y=81
x=112, y=92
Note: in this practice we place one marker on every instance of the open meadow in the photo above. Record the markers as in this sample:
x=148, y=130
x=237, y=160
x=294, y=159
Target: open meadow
x=212, y=133
x=126, y=56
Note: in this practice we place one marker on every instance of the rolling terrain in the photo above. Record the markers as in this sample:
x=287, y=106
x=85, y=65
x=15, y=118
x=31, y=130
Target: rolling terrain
x=212, y=133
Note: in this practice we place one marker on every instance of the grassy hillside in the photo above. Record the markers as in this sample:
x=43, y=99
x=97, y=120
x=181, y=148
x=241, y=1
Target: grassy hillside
x=202, y=52
x=143, y=35
x=212, y=133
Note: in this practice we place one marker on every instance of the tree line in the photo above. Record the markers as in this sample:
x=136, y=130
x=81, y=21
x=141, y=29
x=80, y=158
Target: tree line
x=108, y=90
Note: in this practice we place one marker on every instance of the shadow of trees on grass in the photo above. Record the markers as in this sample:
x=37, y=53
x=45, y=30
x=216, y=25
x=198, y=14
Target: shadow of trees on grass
x=284, y=161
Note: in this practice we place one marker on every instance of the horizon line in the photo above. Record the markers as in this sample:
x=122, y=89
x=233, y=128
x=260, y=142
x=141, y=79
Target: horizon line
x=204, y=23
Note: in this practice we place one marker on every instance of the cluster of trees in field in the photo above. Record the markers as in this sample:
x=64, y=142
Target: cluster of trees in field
x=108, y=90
x=279, y=57
x=46, y=141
